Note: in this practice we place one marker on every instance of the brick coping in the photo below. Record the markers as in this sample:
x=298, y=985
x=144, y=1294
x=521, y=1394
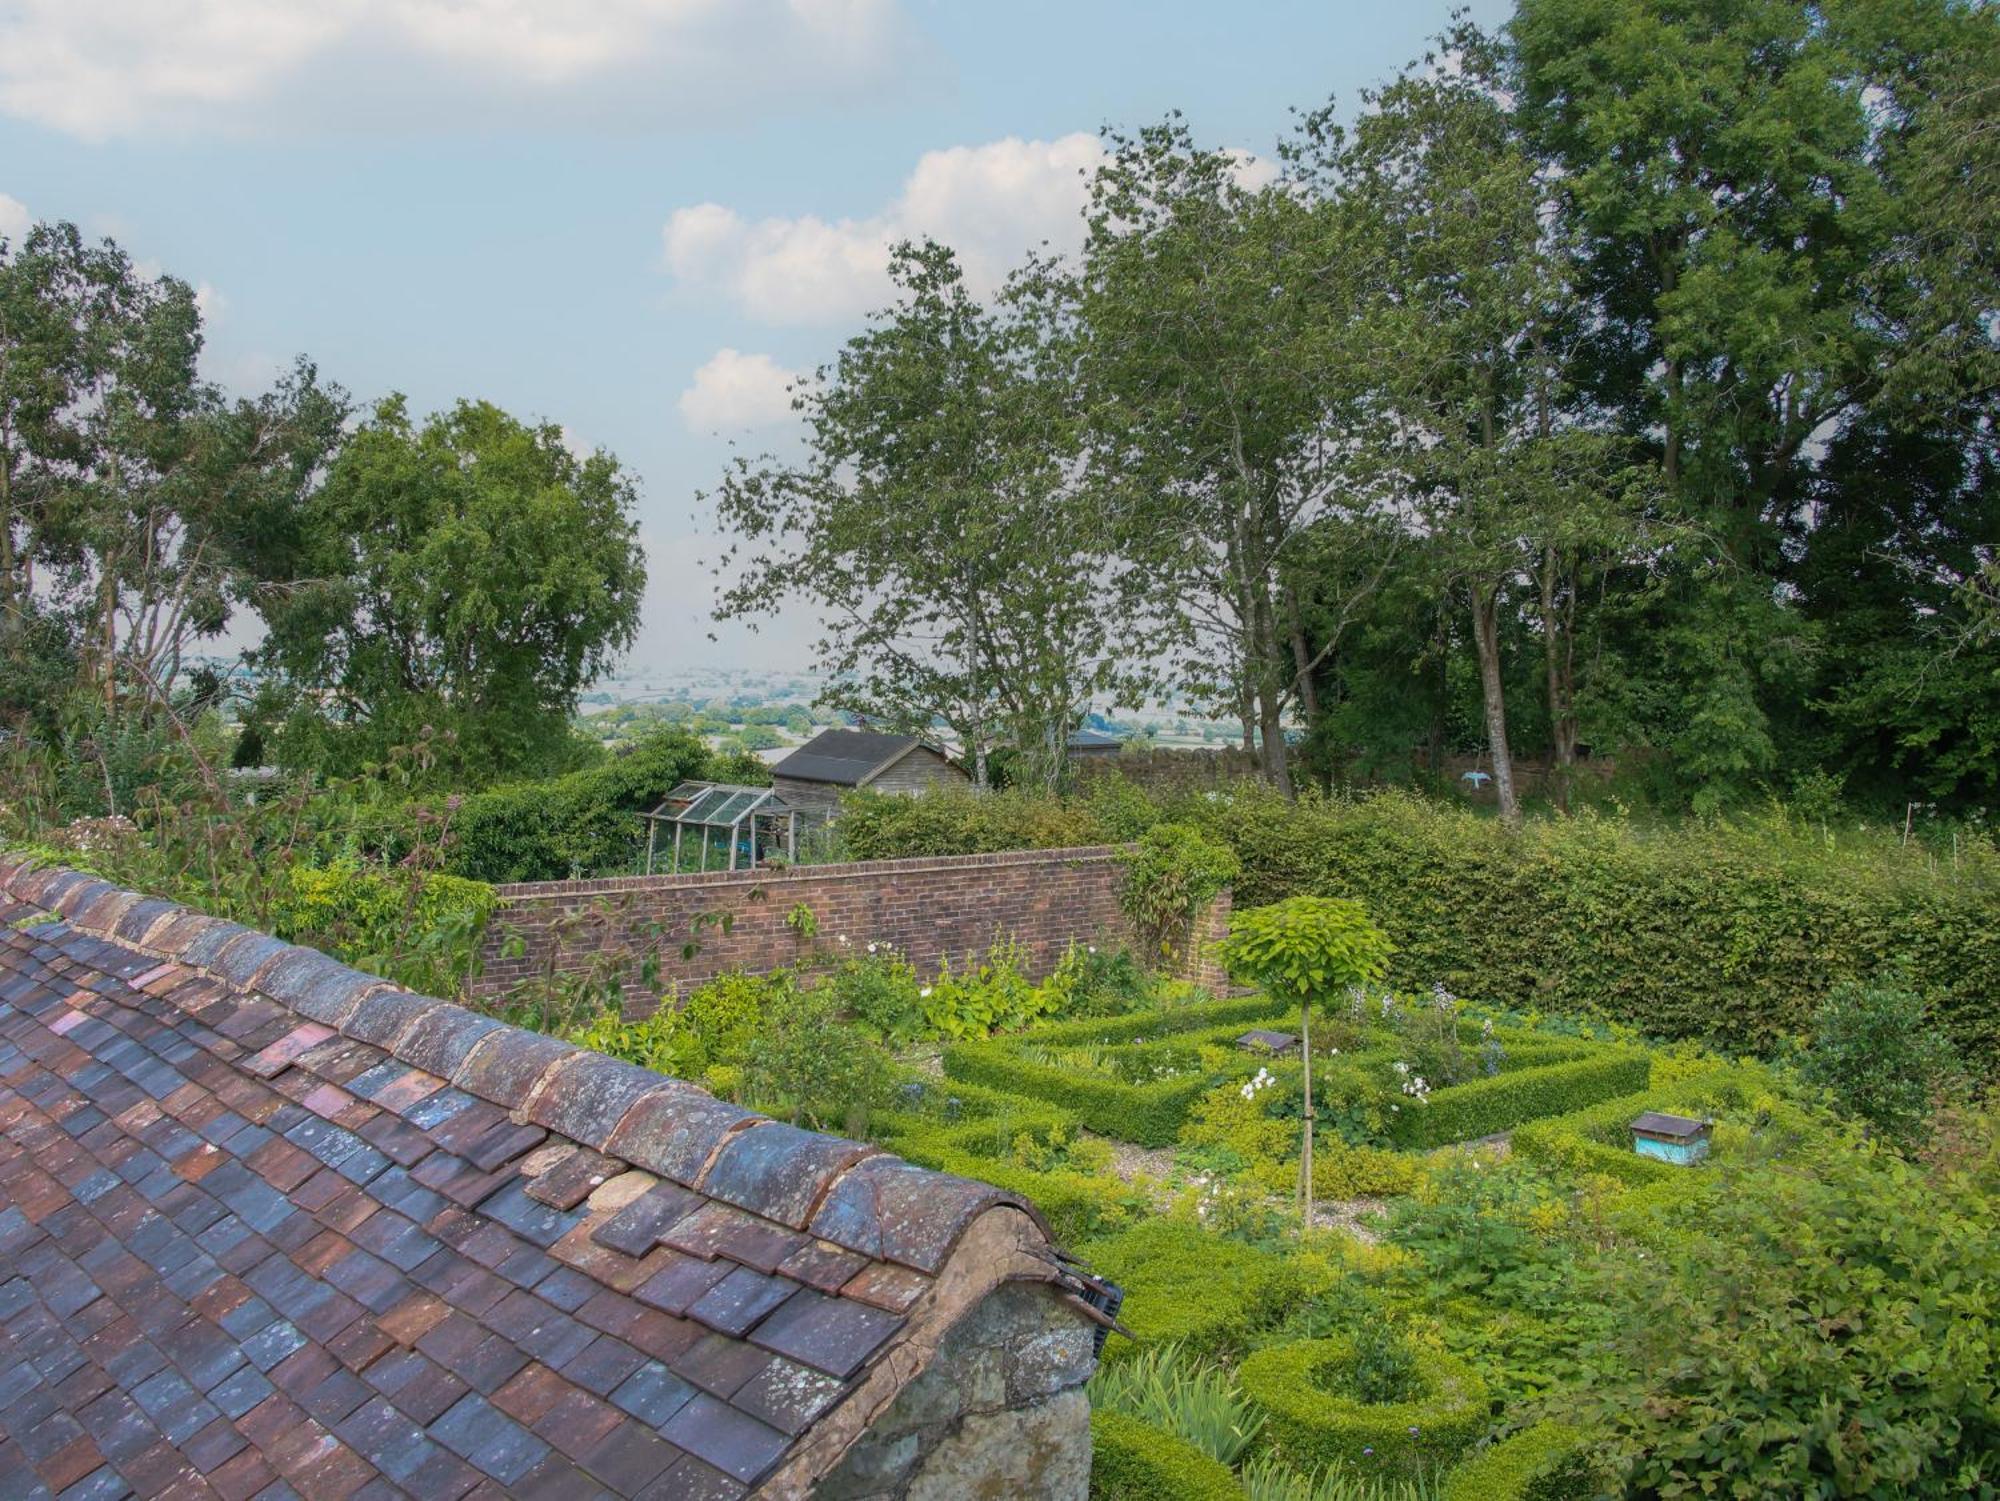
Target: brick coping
x=835, y=871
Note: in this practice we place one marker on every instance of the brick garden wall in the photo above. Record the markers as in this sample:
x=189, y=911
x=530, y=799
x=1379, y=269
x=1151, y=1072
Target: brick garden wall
x=930, y=909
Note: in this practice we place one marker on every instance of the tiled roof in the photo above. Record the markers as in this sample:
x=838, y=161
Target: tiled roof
x=273, y=1227
x=845, y=758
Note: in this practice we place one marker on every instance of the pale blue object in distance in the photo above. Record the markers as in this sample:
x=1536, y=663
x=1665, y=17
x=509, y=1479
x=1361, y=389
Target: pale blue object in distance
x=1680, y=1153
x=1477, y=778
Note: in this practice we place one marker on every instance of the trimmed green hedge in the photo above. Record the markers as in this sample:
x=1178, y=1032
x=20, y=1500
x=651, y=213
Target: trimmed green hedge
x=1483, y=1107
x=1730, y=932
x=1134, y=1461
x=1149, y=1114
x=1541, y=1463
x=580, y=824
x=1313, y=1427
x=1183, y=1284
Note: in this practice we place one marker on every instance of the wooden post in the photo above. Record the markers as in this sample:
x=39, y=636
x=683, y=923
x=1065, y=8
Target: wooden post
x=792, y=838
x=652, y=833
x=1306, y=1158
x=704, y=847
x=677, y=846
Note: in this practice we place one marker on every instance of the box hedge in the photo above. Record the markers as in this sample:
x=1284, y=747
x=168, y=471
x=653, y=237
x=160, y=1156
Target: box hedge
x=1184, y=1284
x=1485, y=1107
x=1313, y=1425
x=1542, y=1463
x=1732, y=932
x=1134, y=1461
x=1149, y=1114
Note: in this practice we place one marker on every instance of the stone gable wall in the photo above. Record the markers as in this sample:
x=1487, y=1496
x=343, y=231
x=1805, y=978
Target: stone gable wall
x=929, y=909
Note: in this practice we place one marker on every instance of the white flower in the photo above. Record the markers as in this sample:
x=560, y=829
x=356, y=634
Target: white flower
x=924, y=994
x=871, y=948
x=1401, y=1067
x=1090, y=948
x=843, y=938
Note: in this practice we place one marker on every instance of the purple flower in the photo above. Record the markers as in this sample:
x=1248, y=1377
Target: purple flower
x=1368, y=1451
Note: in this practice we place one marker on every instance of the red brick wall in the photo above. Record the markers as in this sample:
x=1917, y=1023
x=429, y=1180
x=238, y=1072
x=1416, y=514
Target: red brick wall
x=930, y=909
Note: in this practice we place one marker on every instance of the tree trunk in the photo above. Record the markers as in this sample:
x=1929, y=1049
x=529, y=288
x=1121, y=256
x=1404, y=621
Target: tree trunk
x=1559, y=659
x=1486, y=634
x=1277, y=755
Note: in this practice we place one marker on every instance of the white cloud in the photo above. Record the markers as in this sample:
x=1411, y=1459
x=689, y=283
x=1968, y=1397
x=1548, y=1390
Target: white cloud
x=99, y=68
x=15, y=220
x=734, y=391
x=990, y=203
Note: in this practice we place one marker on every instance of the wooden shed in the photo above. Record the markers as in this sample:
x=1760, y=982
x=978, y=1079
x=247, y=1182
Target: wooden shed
x=812, y=778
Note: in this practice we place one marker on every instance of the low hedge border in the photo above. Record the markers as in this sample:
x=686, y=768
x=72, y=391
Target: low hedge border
x=1134, y=1461
x=1465, y=1112
x=1542, y=1463
x=1149, y=1114
x=1184, y=1285
x=1312, y=1427
x=1246, y=1009
x=1076, y=1205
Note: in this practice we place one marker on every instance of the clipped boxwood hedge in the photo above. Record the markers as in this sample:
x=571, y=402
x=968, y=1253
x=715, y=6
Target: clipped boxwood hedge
x=1134, y=1461
x=1313, y=1427
x=1185, y=1285
x=1149, y=1114
x=1505, y=1101
x=1542, y=1463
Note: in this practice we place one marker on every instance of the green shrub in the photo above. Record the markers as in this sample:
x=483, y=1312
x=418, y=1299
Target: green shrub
x=581, y=824
x=1825, y=1323
x=1133, y=1461
x=421, y=929
x=1211, y=1295
x=1315, y=1421
x=805, y=1063
x=1542, y=1463
x=1485, y=1107
x=1194, y=1399
x=1149, y=1114
x=1171, y=873
x=954, y=821
x=1730, y=932
x=714, y=1027
x=881, y=993
x=1876, y=1053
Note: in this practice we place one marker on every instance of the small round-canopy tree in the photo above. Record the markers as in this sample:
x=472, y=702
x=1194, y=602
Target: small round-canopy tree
x=1308, y=949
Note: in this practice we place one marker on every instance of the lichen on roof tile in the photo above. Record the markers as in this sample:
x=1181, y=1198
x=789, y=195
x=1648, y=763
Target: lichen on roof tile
x=441, y=1038
x=589, y=1096
x=892, y=1209
x=506, y=1064
x=779, y=1171
x=673, y=1132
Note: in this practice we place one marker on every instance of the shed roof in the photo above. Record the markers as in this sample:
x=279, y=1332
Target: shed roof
x=267, y=1218
x=1088, y=739
x=845, y=758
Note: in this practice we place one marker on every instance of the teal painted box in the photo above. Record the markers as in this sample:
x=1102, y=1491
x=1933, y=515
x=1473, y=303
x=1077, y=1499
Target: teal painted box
x=1671, y=1138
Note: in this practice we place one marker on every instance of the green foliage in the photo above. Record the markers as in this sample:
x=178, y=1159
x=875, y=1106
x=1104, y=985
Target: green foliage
x=1271, y=1479
x=1213, y=1296
x=1485, y=1107
x=1876, y=1052
x=990, y=995
x=1166, y=1387
x=1729, y=932
x=1542, y=1463
x=1306, y=949
x=582, y=824
x=1317, y=1419
x=421, y=929
x=881, y=994
x=469, y=574
x=1822, y=1324
x=715, y=1027
x=958, y=821
x=1170, y=875
x=1134, y=1461
x=806, y=1063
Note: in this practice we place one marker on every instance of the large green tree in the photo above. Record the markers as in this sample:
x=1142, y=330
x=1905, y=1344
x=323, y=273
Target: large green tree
x=940, y=524
x=469, y=573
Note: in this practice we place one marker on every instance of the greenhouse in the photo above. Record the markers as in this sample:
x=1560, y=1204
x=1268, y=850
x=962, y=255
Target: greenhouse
x=718, y=825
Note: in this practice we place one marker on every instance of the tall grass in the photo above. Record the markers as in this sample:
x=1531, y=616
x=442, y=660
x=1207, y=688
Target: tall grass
x=1268, y=1479
x=1171, y=1389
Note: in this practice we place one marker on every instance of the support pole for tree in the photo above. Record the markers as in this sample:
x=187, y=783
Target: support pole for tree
x=1306, y=1159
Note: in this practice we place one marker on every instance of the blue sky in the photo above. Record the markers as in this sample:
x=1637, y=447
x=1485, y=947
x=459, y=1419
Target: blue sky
x=631, y=217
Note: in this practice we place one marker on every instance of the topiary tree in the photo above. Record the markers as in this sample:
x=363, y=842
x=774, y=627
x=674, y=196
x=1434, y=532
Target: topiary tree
x=1309, y=949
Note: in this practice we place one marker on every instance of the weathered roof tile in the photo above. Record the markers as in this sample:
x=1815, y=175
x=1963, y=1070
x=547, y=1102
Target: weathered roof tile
x=299, y=1232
